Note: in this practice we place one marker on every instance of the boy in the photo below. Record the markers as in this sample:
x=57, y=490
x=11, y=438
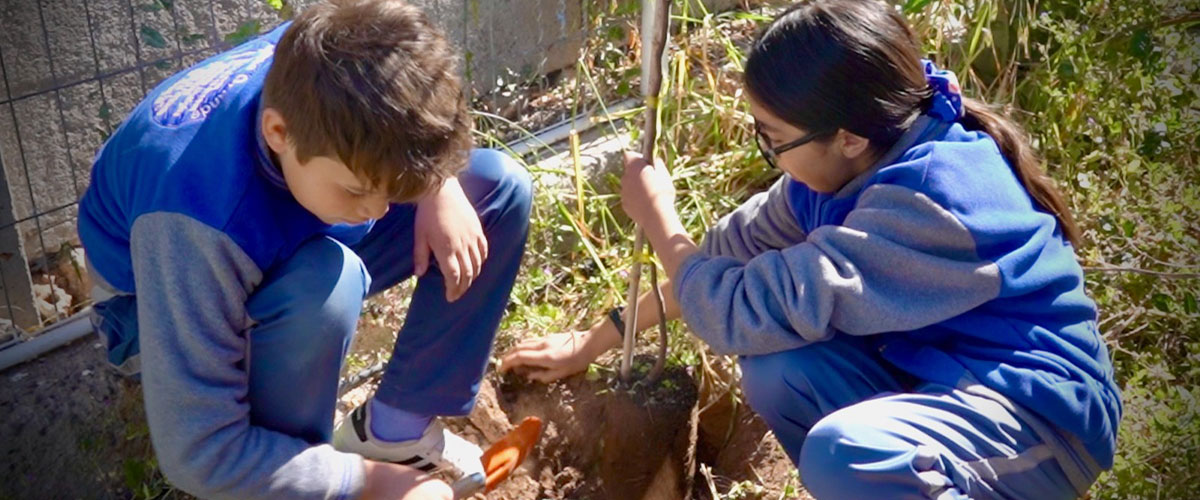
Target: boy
x=242, y=213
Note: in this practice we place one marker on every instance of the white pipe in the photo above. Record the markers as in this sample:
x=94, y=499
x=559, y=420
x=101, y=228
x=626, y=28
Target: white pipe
x=559, y=131
x=57, y=335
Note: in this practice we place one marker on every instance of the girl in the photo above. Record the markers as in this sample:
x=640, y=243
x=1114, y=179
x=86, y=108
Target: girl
x=905, y=303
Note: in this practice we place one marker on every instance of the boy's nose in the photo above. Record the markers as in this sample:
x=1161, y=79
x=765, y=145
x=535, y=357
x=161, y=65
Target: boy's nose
x=374, y=209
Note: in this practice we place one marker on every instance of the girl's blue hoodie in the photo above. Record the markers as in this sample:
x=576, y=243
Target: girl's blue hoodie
x=940, y=255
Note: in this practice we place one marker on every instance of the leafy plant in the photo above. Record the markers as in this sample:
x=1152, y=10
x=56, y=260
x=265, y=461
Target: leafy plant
x=244, y=32
x=152, y=37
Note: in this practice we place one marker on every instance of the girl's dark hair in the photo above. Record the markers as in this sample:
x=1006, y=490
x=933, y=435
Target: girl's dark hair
x=856, y=65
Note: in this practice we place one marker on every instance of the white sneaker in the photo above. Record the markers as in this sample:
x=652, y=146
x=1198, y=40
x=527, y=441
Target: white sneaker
x=437, y=449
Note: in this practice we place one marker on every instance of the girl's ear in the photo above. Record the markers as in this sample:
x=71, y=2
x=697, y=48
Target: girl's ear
x=274, y=130
x=851, y=145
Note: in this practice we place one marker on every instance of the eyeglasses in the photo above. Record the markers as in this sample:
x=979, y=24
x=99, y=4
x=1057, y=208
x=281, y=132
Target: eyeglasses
x=772, y=154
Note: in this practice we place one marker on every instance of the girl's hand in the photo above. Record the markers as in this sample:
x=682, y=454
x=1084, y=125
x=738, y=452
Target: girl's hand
x=552, y=357
x=647, y=192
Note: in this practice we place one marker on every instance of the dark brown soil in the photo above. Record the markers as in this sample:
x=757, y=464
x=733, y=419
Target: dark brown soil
x=71, y=428
x=605, y=441
x=738, y=447
x=628, y=442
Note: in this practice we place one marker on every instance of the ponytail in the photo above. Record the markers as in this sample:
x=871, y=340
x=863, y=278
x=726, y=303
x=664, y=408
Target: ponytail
x=1014, y=145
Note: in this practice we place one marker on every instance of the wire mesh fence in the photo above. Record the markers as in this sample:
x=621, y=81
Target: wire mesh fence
x=72, y=69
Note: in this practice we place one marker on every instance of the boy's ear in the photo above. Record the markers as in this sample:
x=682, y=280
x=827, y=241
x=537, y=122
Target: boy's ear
x=274, y=130
x=852, y=145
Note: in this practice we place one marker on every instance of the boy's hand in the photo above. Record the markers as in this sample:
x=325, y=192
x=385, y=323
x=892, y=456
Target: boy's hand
x=448, y=227
x=396, y=482
x=647, y=192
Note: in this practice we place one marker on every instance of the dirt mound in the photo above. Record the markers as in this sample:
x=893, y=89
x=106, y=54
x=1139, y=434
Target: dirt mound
x=603, y=440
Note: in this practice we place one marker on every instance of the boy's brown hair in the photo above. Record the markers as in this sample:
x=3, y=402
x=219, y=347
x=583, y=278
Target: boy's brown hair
x=374, y=84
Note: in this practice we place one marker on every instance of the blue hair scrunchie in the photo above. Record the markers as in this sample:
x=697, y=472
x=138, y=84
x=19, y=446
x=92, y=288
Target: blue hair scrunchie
x=947, y=95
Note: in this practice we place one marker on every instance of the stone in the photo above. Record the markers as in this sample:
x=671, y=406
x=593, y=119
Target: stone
x=600, y=155
x=71, y=57
x=499, y=51
x=52, y=301
x=240, y=17
x=155, y=27
x=86, y=127
x=23, y=47
x=122, y=92
x=43, y=181
x=113, y=30
x=194, y=28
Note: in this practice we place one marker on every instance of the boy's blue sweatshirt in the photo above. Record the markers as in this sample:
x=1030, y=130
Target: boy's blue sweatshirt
x=939, y=254
x=187, y=211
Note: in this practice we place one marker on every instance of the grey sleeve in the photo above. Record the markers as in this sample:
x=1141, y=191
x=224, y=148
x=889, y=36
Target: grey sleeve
x=764, y=222
x=192, y=285
x=899, y=262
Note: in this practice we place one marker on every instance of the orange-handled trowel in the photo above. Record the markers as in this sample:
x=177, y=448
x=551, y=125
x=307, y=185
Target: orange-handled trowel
x=501, y=459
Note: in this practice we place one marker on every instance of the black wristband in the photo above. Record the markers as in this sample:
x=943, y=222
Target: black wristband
x=616, y=315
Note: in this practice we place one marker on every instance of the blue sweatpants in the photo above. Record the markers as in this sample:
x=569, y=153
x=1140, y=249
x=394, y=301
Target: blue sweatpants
x=307, y=309
x=442, y=349
x=855, y=431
